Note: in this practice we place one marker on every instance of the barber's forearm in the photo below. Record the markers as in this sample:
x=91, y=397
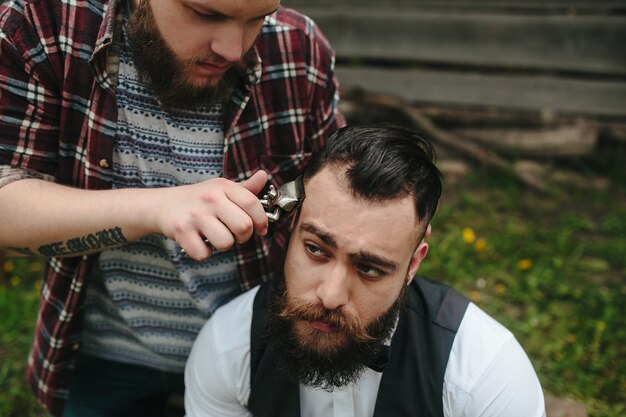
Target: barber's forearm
x=48, y=219
x=54, y=220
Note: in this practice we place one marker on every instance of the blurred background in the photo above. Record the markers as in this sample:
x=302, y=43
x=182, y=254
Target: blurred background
x=526, y=103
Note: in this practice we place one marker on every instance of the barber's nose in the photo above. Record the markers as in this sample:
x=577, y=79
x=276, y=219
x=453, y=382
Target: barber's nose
x=229, y=43
x=334, y=290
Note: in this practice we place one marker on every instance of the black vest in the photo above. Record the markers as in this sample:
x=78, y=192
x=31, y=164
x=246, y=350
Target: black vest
x=411, y=384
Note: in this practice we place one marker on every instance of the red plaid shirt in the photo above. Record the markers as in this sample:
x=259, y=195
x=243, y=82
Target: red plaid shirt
x=58, y=114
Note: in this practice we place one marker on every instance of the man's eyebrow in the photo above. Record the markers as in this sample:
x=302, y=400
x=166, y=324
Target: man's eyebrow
x=373, y=259
x=362, y=256
x=324, y=236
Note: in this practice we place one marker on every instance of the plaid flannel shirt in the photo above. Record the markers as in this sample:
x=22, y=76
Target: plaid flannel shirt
x=58, y=113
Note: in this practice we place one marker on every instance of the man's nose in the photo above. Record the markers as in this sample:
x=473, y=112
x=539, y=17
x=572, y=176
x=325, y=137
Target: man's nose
x=334, y=290
x=229, y=43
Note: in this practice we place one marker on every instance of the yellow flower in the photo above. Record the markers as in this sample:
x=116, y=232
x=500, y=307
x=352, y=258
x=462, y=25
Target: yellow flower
x=571, y=338
x=500, y=289
x=474, y=296
x=468, y=235
x=480, y=245
x=601, y=326
x=525, y=264
x=8, y=266
x=15, y=281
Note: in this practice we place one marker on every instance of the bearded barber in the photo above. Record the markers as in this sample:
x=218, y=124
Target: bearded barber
x=348, y=329
x=132, y=129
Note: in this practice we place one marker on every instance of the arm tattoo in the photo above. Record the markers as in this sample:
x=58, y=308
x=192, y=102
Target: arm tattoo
x=23, y=251
x=99, y=240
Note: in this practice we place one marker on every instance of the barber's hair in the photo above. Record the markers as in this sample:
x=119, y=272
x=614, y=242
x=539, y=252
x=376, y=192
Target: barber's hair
x=383, y=163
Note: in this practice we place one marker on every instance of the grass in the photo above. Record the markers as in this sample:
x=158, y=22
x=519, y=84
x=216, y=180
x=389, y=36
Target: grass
x=19, y=299
x=550, y=268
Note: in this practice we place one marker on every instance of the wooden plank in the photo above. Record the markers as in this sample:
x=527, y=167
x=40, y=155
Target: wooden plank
x=535, y=93
x=536, y=6
x=568, y=140
x=571, y=44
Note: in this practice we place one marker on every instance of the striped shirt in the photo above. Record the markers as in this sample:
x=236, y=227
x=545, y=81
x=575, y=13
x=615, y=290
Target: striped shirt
x=58, y=119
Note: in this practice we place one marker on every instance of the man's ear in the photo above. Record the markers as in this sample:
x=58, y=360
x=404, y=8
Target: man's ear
x=418, y=256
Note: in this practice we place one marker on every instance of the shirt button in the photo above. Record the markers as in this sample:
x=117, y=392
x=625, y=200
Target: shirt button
x=76, y=346
x=104, y=163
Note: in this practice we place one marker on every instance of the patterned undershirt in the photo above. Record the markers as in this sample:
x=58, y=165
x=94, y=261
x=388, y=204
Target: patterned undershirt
x=145, y=302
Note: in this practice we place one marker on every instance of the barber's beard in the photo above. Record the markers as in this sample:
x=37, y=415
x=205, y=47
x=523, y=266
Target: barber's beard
x=158, y=66
x=317, y=359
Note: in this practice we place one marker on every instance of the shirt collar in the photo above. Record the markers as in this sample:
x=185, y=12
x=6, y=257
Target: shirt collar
x=108, y=26
x=253, y=68
x=104, y=62
x=380, y=362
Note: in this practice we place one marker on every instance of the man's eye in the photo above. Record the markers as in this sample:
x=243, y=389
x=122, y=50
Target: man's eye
x=370, y=271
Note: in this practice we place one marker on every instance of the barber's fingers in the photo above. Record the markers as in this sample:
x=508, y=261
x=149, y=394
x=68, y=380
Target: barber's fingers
x=211, y=235
x=218, y=210
x=231, y=225
x=195, y=246
x=256, y=182
x=245, y=197
x=232, y=215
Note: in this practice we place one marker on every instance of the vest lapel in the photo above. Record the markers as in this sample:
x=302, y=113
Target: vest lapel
x=412, y=383
x=271, y=395
x=397, y=385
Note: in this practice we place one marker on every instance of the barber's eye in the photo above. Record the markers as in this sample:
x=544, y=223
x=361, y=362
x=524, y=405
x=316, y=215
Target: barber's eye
x=313, y=249
x=207, y=16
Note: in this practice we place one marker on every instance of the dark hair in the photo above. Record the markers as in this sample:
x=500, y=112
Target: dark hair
x=384, y=163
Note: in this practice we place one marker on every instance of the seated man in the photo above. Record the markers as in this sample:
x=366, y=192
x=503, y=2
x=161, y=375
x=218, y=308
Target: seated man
x=349, y=330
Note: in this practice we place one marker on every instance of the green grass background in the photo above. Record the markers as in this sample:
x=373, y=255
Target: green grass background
x=549, y=267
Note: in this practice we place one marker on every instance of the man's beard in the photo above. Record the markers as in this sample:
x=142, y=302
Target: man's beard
x=323, y=360
x=158, y=66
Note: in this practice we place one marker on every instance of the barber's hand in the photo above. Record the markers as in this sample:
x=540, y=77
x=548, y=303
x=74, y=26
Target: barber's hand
x=219, y=210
